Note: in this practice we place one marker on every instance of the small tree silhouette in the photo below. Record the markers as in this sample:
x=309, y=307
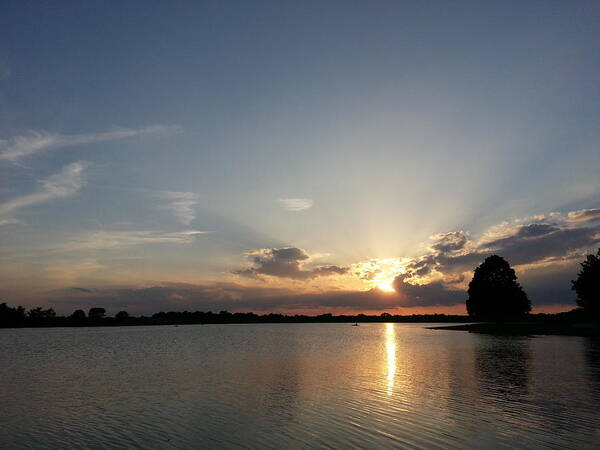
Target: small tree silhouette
x=78, y=317
x=38, y=315
x=41, y=314
x=587, y=284
x=494, y=293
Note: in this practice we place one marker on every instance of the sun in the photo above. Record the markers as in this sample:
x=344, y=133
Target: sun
x=386, y=273
x=386, y=285
x=384, y=278
x=380, y=273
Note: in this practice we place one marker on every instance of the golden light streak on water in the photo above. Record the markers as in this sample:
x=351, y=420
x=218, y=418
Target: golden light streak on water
x=390, y=347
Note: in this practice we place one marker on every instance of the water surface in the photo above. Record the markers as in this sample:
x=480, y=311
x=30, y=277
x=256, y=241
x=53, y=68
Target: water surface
x=295, y=386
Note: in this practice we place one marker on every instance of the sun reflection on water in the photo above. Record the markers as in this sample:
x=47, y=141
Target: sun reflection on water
x=390, y=347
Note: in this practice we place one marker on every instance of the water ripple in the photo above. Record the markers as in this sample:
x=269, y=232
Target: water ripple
x=295, y=386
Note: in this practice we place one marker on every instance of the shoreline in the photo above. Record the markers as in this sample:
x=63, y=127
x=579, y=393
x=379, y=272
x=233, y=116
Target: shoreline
x=587, y=329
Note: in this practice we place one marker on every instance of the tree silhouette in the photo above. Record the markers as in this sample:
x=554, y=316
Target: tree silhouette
x=587, y=284
x=122, y=315
x=11, y=317
x=494, y=293
x=40, y=316
x=96, y=314
x=78, y=317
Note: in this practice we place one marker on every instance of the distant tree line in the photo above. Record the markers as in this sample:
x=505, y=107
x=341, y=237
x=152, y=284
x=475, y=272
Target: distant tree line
x=18, y=317
x=493, y=295
x=186, y=317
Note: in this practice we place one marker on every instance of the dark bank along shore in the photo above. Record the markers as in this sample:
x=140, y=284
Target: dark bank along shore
x=572, y=323
x=551, y=326
x=224, y=317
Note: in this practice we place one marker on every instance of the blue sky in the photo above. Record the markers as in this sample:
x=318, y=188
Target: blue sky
x=182, y=145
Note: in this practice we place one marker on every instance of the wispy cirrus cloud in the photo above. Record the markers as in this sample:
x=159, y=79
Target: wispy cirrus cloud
x=62, y=184
x=8, y=222
x=181, y=204
x=18, y=147
x=296, y=204
x=106, y=240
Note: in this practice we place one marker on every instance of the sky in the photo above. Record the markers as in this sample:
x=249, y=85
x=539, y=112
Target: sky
x=298, y=157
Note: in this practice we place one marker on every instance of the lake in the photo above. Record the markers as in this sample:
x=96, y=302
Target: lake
x=295, y=386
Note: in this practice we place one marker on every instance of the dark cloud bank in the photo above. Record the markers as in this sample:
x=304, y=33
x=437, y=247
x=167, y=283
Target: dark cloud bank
x=220, y=296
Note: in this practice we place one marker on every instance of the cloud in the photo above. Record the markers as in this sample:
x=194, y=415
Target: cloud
x=19, y=147
x=447, y=242
x=543, y=249
x=67, y=272
x=296, y=204
x=80, y=289
x=546, y=256
x=106, y=240
x=182, y=205
x=8, y=222
x=169, y=296
x=520, y=242
x=62, y=184
x=584, y=215
x=166, y=296
x=286, y=262
x=523, y=248
x=434, y=293
x=422, y=266
x=535, y=229
x=330, y=269
x=220, y=296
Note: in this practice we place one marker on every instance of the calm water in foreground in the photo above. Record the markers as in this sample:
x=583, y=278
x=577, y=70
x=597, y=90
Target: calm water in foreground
x=295, y=386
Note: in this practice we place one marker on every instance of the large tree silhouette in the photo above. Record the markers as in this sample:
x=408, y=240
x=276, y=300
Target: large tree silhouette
x=587, y=284
x=494, y=293
x=11, y=317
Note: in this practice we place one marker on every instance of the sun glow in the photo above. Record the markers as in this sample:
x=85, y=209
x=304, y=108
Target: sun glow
x=381, y=273
x=387, y=285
